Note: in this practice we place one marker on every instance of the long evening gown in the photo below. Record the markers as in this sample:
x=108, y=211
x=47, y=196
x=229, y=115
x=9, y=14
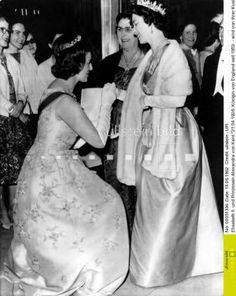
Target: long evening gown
x=70, y=229
x=177, y=232
x=128, y=193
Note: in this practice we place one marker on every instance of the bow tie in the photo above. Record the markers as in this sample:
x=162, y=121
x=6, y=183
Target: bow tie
x=193, y=52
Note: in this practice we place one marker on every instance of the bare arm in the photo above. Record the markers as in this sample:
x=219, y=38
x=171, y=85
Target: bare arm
x=72, y=114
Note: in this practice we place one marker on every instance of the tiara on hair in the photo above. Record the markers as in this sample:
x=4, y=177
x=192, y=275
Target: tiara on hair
x=152, y=5
x=70, y=44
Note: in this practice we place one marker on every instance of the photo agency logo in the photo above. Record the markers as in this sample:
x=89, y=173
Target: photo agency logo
x=149, y=131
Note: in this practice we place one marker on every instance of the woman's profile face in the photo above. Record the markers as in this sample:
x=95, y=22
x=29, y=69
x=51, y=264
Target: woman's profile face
x=125, y=34
x=189, y=35
x=221, y=33
x=141, y=29
x=84, y=73
x=4, y=33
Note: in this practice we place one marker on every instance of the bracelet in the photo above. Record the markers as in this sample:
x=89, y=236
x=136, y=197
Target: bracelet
x=20, y=101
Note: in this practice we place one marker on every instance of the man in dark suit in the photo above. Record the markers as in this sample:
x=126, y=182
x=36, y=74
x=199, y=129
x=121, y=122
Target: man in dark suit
x=211, y=117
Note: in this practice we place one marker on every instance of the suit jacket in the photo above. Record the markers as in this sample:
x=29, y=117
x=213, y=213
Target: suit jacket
x=211, y=107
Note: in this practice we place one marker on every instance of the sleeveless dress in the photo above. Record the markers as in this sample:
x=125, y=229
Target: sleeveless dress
x=70, y=229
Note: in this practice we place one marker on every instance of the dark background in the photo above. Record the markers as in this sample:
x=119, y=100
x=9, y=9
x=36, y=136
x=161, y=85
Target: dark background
x=84, y=16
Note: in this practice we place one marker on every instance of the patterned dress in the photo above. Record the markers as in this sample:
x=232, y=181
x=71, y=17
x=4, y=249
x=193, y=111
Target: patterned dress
x=14, y=142
x=127, y=193
x=70, y=231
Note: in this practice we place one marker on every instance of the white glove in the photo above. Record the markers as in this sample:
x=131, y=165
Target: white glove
x=121, y=93
x=109, y=94
x=98, y=111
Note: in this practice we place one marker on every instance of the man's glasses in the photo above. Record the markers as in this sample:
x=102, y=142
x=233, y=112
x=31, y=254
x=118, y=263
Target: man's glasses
x=31, y=41
x=125, y=29
x=5, y=30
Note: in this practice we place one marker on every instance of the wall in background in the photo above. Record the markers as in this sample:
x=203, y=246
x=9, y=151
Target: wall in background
x=197, y=11
x=47, y=17
x=44, y=18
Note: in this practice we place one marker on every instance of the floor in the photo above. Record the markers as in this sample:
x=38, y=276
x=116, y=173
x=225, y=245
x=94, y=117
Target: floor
x=209, y=285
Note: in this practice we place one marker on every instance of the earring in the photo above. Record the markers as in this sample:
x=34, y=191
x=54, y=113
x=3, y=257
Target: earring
x=151, y=29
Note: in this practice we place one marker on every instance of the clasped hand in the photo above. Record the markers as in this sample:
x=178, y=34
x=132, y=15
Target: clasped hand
x=17, y=109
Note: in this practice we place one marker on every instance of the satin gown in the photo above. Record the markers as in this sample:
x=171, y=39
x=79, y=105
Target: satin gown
x=177, y=232
x=70, y=228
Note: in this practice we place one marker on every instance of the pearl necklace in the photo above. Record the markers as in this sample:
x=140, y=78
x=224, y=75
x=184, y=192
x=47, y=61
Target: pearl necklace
x=130, y=63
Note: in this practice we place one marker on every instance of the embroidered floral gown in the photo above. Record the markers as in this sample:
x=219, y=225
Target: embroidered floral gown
x=70, y=231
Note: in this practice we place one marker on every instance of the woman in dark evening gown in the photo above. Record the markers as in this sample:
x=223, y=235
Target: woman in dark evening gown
x=119, y=68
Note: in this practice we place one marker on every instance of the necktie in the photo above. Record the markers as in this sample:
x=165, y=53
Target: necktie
x=12, y=92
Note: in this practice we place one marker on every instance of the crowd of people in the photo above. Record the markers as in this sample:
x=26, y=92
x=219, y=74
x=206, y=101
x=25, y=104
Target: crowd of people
x=95, y=194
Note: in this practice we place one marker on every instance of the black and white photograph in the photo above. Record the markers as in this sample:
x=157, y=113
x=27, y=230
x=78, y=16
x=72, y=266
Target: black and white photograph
x=117, y=147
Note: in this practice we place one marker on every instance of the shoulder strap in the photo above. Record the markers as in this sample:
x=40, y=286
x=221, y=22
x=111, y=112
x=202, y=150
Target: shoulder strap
x=50, y=99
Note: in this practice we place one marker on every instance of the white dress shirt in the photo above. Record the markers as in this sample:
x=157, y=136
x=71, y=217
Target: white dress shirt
x=220, y=75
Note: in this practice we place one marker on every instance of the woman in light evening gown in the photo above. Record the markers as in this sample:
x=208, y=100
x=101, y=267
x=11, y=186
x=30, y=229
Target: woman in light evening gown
x=177, y=232
x=70, y=229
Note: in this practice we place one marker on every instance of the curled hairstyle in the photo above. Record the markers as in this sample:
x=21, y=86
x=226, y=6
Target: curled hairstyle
x=151, y=17
x=124, y=15
x=70, y=56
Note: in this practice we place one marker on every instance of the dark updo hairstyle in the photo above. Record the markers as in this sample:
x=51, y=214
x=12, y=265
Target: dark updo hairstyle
x=124, y=15
x=70, y=56
x=181, y=29
x=152, y=17
x=184, y=25
x=212, y=34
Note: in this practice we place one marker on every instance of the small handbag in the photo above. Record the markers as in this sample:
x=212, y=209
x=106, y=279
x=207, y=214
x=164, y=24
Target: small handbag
x=32, y=123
